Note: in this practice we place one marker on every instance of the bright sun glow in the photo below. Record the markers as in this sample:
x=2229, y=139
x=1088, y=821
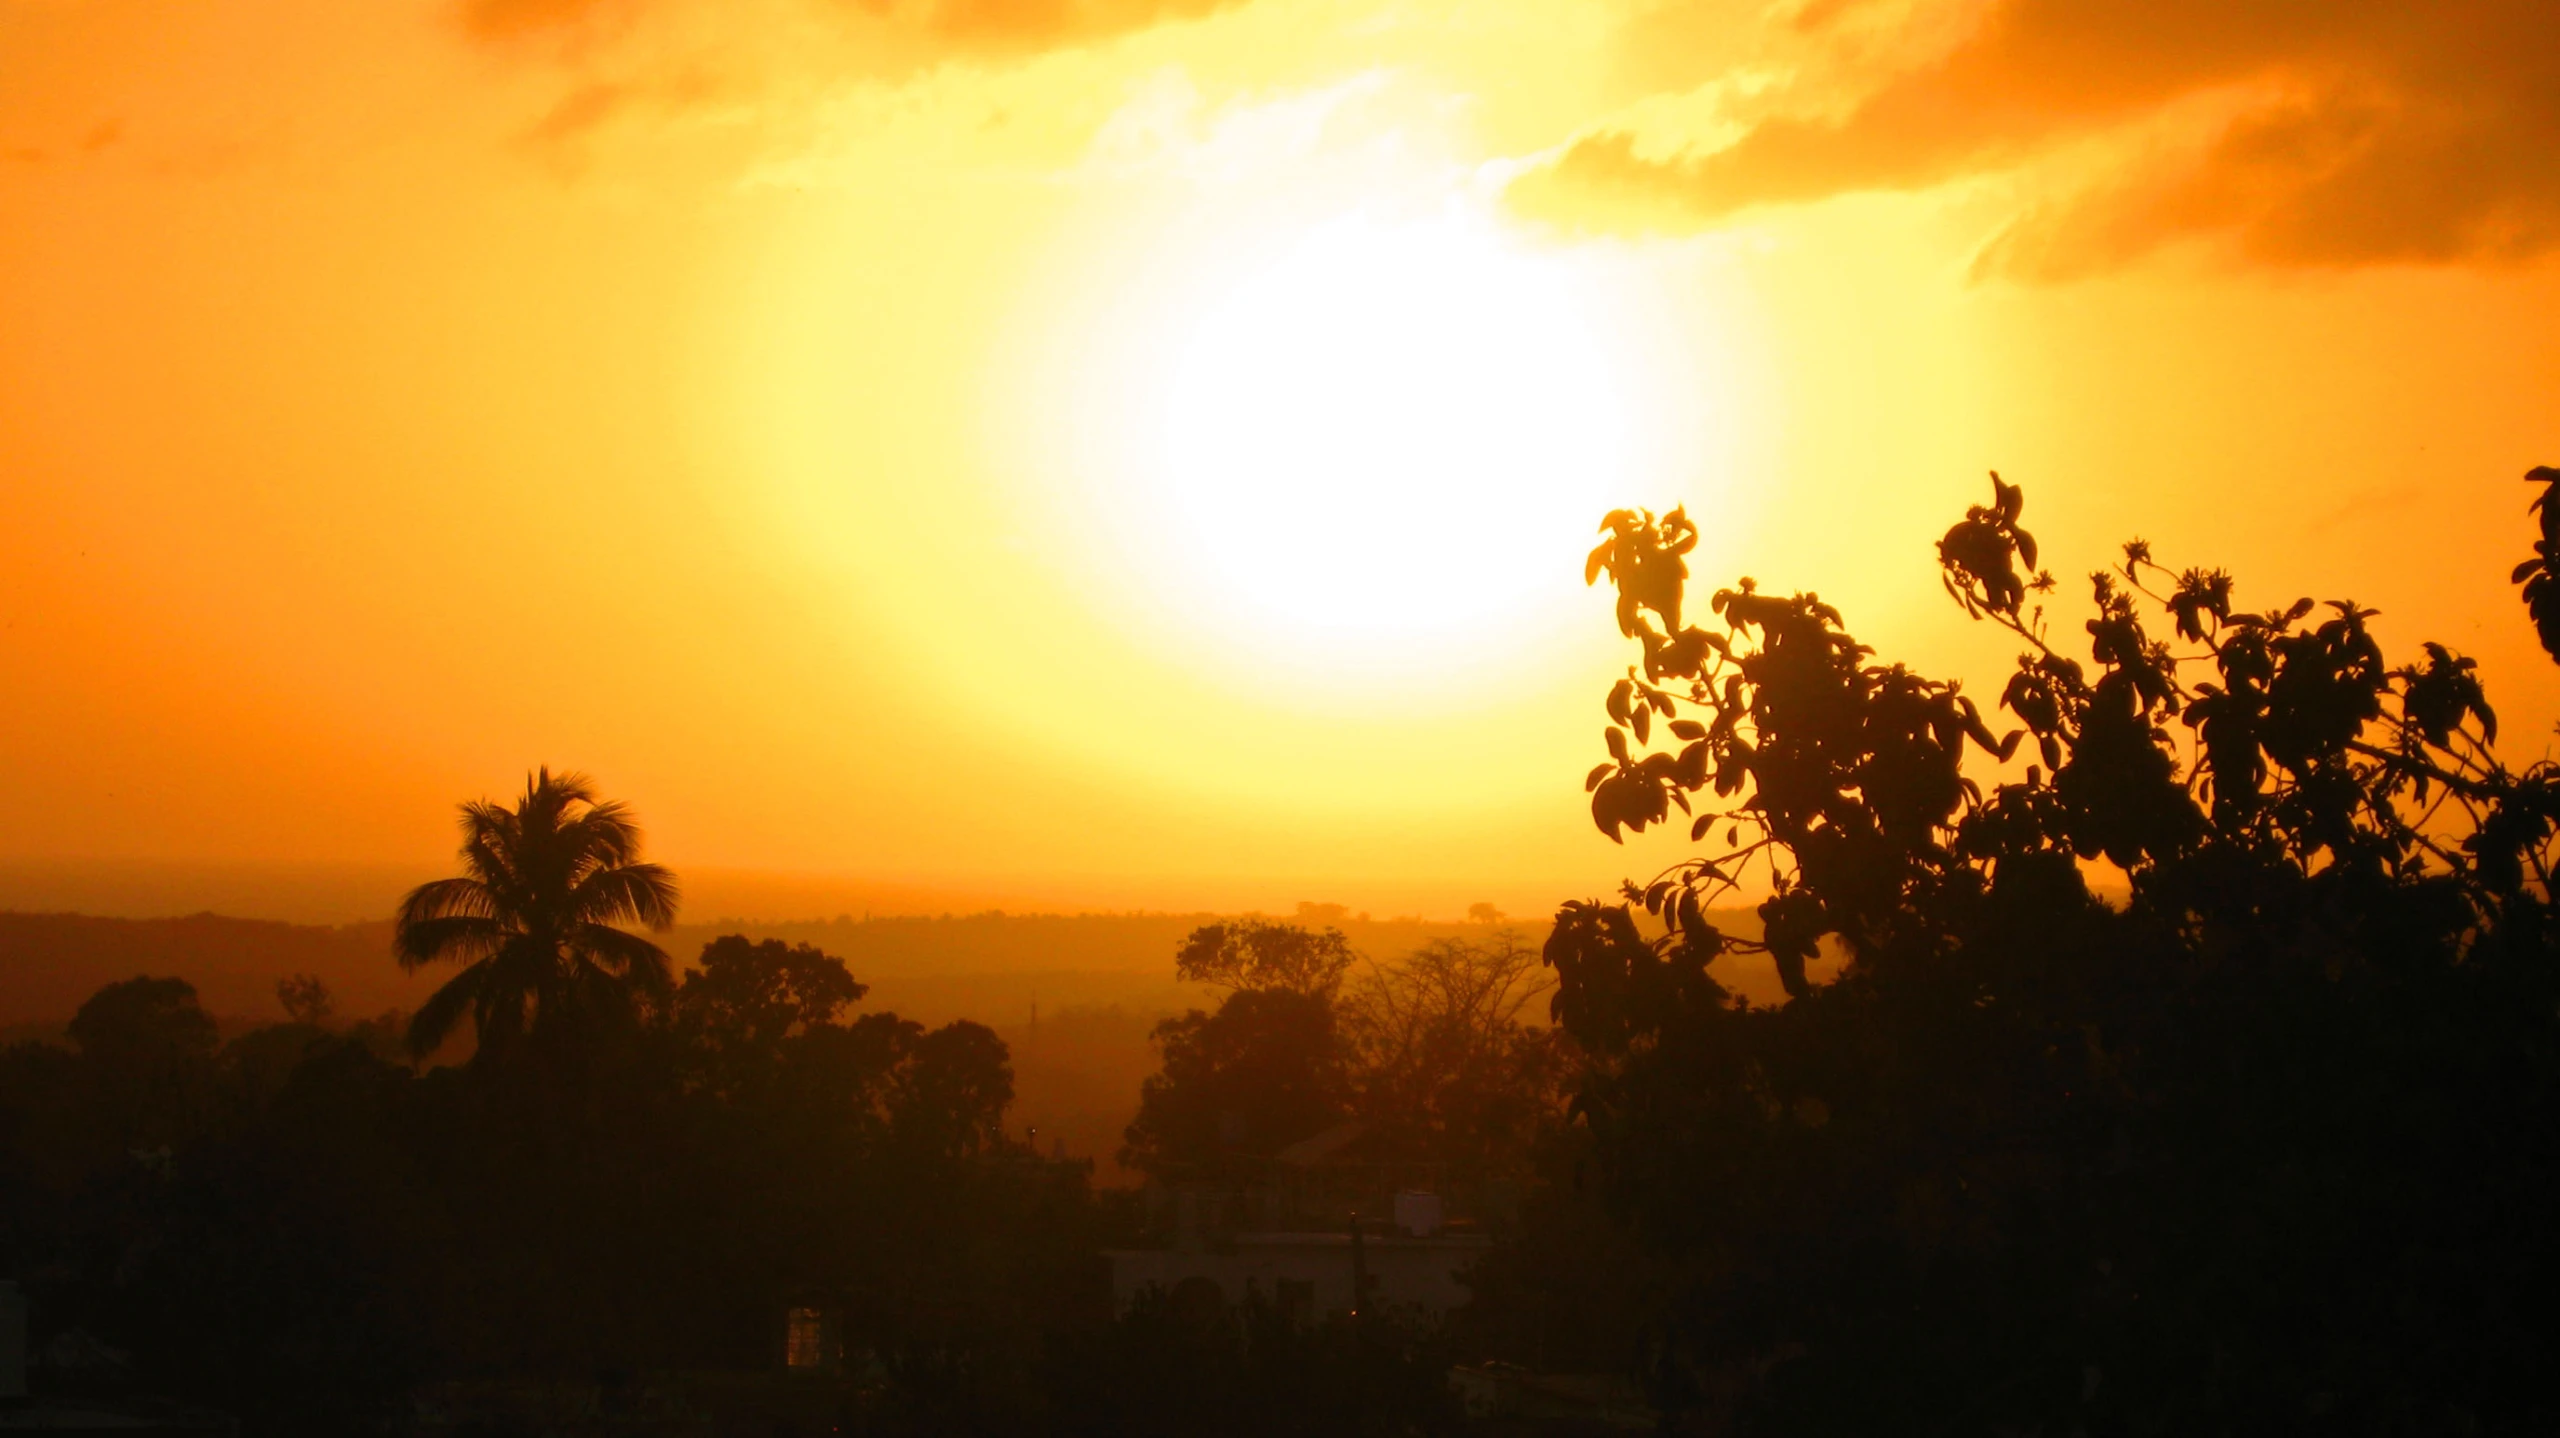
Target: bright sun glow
x=1392, y=430
x=1329, y=432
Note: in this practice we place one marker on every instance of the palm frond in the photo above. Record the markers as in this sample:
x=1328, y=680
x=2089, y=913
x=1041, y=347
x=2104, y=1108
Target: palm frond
x=490, y=843
x=551, y=845
x=605, y=834
x=548, y=797
x=435, y=1018
x=499, y=1015
x=429, y=904
x=566, y=787
x=627, y=894
x=465, y=938
x=446, y=898
x=598, y=995
x=629, y=957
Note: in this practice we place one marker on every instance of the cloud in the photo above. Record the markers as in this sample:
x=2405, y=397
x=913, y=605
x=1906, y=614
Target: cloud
x=767, y=63
x=1030, y=25
x=952, y=27
x=579, y=111
x=2302, y=132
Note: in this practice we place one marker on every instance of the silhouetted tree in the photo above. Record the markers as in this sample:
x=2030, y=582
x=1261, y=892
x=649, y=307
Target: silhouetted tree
x=2269, y=1145
x=534, y=918
x=762, y=993
x=734, y=1015
x=146, y=1048
x=1428, y=1049
x=144, y=1024
x=306, y=1000
x=951, y=1090
x=1267, y=1069
x=1260, y=954
x=1442, y=1064
x=2540, y=575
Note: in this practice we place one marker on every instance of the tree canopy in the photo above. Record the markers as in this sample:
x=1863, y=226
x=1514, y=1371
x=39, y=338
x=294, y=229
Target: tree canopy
x=144, y=1023
x=1428, y=1050
x=2268, y=1138
x=1260, y=954
x=1264, y=1070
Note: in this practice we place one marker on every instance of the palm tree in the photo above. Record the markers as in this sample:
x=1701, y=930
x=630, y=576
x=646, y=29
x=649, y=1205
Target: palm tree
x=535, y=919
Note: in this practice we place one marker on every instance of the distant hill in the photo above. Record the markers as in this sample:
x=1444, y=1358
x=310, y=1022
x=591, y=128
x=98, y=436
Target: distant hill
x=50, y=963
x=994, y=967
x=991, y=966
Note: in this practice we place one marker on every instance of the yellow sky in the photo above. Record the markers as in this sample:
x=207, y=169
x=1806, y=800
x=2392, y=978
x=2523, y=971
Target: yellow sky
x=909, y=442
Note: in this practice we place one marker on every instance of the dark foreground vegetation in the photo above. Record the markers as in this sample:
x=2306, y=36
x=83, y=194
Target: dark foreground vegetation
x=2271, y=1145
x=604, y=1217
x=2267, y=1139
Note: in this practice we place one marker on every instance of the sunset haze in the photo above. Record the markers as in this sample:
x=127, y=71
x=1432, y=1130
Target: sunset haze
x=1132, y=455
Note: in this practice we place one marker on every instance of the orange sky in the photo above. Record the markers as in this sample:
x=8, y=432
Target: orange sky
x=1105, y=452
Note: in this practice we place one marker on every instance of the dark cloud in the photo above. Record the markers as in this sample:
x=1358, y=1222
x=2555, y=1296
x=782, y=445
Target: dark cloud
x=2347, y=131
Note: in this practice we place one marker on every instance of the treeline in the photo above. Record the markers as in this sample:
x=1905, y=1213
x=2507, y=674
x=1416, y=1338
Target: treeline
x=298, y=1226
x=996, y=942
x=303, y=1227
x=991, y=965
x=637, y=1173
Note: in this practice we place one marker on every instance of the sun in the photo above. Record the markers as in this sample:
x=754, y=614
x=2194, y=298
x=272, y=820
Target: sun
x=1333, y=446
x=1389, y=430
